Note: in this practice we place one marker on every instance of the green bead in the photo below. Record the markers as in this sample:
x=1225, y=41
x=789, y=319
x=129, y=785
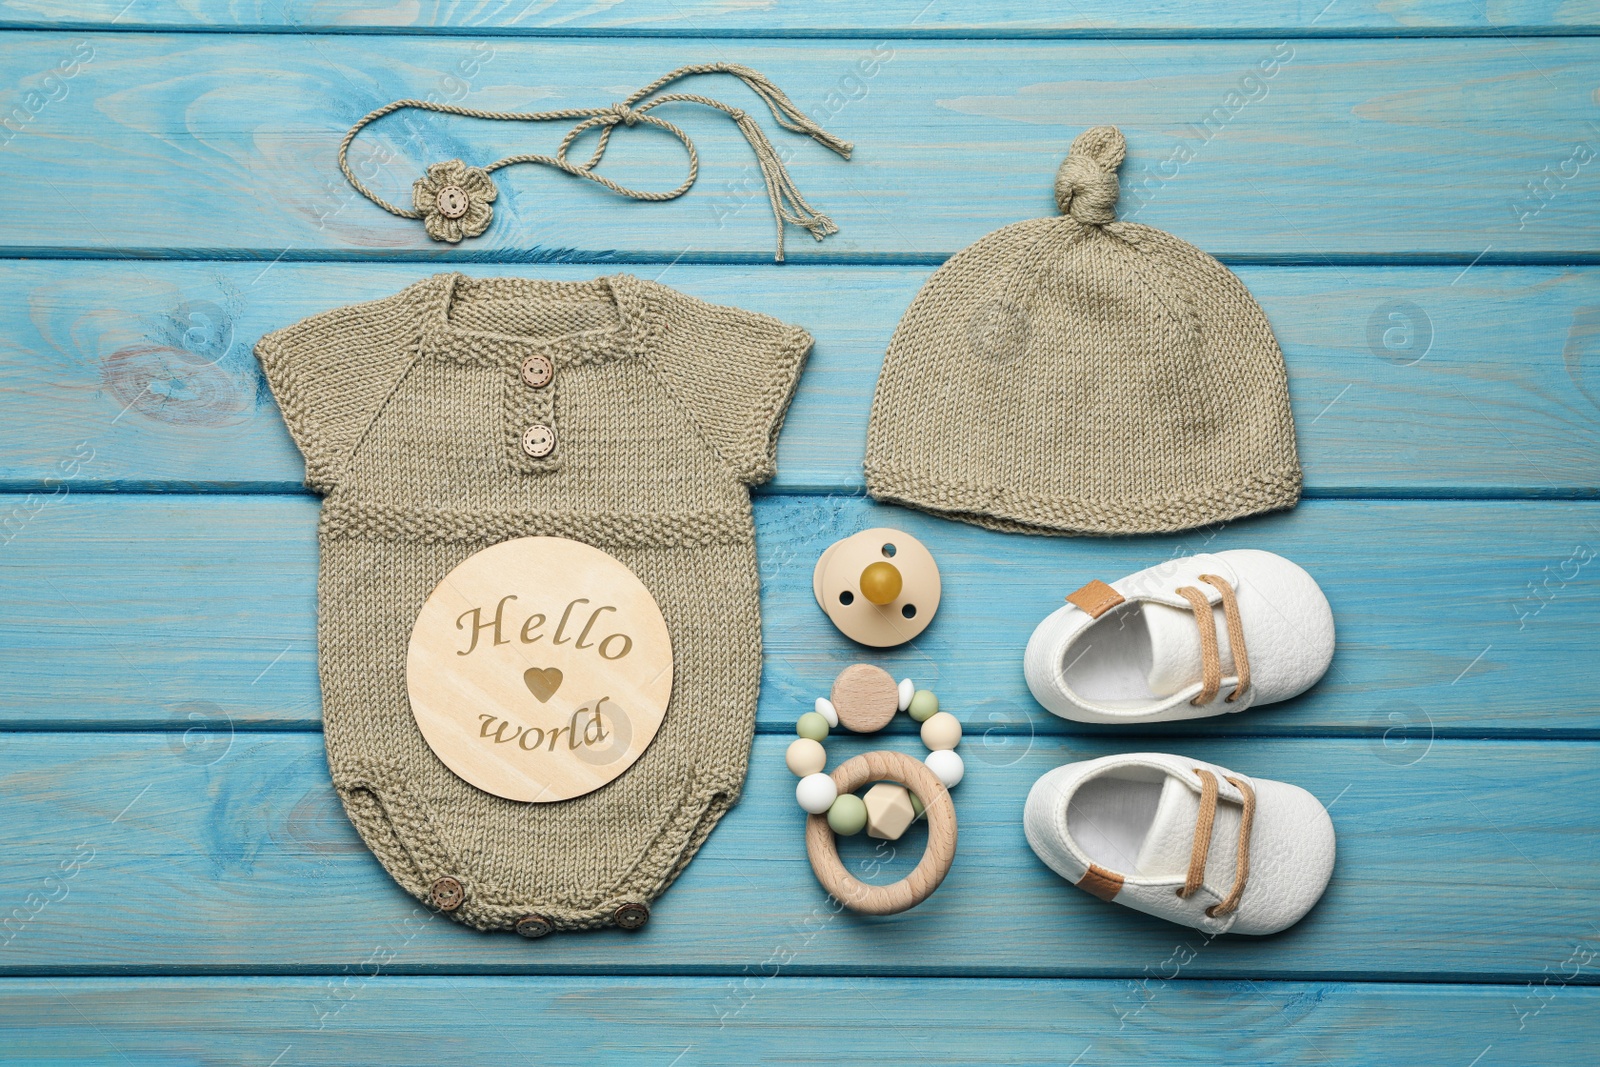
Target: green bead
x=812, y=725
x=923, y=705
x=916, y=805
x=848, y=815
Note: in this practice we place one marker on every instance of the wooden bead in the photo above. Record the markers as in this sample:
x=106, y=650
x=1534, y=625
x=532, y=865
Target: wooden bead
x=941, y=730
x=813, y=726
x=865, y=698
x=889, y=811
x=805, y=756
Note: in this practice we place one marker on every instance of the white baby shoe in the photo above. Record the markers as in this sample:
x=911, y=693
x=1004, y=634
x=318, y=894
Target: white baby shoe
x=1184, y=840
x=1197, y=636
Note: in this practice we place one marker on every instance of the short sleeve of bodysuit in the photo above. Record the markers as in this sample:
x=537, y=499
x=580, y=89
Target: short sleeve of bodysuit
x=735, y=372
x=330, y=374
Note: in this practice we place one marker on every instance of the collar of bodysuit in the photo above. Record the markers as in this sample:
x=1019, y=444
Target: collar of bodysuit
x=444, y=337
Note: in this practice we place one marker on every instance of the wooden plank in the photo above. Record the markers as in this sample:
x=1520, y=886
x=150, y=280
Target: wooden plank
x=1409, y=381
x=1476, y=861
x=823, y=18
x=362, y=1018
x=197, y=145
x=1454, y=619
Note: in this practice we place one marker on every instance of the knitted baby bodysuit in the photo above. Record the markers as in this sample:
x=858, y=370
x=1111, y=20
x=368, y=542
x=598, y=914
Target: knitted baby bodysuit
x=430, y=440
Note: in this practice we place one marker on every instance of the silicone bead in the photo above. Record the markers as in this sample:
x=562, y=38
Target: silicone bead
x=816, y=792
x=848, y=815
x=941, y=730
x=826, y=710
x=916, y=805
x=805, y=756
x=812, y=725
x=946, y=766
x=906, y=690
x=922, y=705
x=889, y=811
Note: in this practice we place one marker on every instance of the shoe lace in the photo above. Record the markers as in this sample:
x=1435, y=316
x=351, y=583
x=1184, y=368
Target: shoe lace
x=1202, y=842
x=1210, y=656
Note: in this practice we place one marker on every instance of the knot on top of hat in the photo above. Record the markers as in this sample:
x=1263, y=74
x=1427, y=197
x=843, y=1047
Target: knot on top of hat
x=1086, y=184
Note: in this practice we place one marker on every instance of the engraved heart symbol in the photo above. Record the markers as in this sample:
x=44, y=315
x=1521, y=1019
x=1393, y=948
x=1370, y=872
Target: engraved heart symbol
x=542, y=683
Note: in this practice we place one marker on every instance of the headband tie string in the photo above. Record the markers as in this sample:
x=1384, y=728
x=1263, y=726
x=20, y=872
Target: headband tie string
x=453, y=199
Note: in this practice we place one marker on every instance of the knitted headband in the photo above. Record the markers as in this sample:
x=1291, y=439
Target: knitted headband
x=452, y=199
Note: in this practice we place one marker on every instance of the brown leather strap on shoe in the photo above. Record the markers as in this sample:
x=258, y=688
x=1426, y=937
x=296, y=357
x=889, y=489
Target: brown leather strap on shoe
x=1100, y=882
x=1096, y=598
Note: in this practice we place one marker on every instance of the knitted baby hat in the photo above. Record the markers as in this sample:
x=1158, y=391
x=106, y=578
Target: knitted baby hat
x=1079, y=375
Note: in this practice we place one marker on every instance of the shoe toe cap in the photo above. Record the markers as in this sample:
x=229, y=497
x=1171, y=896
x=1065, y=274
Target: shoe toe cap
x=1292, y=850
x=1288, y=624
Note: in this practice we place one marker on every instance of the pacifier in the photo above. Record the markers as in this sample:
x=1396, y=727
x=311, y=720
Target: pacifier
x=880, y=586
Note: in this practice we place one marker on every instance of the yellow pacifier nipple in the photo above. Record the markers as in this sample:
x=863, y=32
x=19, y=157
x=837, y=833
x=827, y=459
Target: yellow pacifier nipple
x=881, y=583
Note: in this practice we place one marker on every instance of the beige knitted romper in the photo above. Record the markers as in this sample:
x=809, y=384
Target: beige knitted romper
x=411, y=413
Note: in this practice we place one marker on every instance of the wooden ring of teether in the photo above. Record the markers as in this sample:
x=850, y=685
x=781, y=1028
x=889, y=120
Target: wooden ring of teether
x=914, y=888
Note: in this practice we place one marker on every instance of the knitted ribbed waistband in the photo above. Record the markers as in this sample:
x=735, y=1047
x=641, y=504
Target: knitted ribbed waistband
x=366, y=521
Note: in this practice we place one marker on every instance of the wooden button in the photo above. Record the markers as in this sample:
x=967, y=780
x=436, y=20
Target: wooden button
x=866, y=698
x=534, y=926
x=452, y=201
x=537, y=371
x=631, y=916
x=448, y=894
x=538, y=440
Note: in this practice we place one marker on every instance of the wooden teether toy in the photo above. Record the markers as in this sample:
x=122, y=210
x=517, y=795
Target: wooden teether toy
x=880, y=586
x=905, y=789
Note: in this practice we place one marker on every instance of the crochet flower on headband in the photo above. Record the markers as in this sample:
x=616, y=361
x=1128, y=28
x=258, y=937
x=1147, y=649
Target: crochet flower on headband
x=453, y=200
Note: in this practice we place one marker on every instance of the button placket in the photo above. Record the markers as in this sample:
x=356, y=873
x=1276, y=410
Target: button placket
x=532, y=435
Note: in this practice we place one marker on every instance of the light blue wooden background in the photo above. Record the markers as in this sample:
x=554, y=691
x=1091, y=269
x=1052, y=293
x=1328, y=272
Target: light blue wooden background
x=1414, y=197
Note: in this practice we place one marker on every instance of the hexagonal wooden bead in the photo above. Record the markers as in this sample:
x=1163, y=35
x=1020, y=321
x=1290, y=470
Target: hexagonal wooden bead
x=889, y=811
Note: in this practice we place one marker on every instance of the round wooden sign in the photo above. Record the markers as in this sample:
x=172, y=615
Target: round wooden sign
x=539, y=669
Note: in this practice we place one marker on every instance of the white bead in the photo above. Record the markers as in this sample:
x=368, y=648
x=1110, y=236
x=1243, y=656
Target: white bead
x=805, y=756
x=826, y=710
x=941, y=730
x=906, y=689
x=946, y=766
x=816, y=793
